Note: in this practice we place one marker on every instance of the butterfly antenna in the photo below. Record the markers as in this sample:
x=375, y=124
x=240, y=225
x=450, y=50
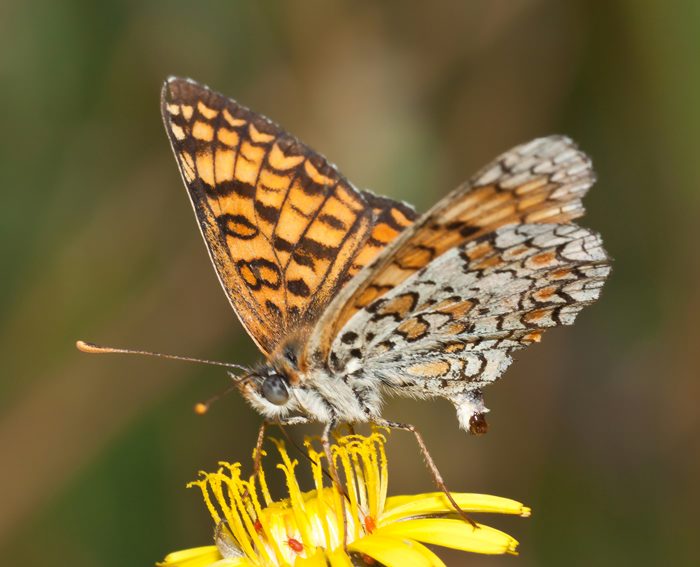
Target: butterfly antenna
x=200, y=408
x=92, y=348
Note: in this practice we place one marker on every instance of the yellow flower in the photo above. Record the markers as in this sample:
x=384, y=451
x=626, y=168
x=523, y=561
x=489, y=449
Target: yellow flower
x=306, y=529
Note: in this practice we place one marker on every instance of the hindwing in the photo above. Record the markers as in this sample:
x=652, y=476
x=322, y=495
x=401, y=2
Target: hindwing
x=451, y=327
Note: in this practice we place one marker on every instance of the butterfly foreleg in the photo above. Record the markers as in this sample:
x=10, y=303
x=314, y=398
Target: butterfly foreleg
x=437, y=477
x=258, y=452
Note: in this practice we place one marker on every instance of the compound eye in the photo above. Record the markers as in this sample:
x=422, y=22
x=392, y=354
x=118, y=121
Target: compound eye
x=275, y=390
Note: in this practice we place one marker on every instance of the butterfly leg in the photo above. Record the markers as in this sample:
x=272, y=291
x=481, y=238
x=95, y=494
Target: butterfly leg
x=257, y=454
x=437, y=477
x=326, y=444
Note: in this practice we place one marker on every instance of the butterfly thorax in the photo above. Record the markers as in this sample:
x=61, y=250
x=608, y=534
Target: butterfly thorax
x=287, y=385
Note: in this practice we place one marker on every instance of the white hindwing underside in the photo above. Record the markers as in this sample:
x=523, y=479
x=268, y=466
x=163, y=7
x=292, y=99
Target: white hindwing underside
x=449, y=329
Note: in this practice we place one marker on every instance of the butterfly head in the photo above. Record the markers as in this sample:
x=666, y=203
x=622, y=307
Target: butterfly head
x=268, y=390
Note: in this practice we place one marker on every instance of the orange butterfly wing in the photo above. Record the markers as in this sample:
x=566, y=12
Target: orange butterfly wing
x=284, y=229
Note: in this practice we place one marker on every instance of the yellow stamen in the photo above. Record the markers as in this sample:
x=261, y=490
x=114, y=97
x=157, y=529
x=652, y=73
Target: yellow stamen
x=295, y=496
x=317, y=474
x=262, y=479
x=306, y=529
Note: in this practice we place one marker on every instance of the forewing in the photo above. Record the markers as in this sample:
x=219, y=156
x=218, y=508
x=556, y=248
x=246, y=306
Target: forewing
x=542, y=181
x=285, y=230
x=390, y=219
x=455, y=323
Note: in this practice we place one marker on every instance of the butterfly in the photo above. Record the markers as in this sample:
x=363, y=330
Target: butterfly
x=351, y=296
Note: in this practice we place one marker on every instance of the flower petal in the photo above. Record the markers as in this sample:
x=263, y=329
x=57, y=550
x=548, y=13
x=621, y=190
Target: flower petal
x=396, y=551
x=399, y=507
x=339, y=558
x=318, y=559
x=206, y=556
x=322, y=558
x=456, y=534
x=233, y=562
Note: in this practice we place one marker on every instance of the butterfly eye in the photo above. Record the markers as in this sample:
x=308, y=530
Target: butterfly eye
x=275, y=390
x=291, y=356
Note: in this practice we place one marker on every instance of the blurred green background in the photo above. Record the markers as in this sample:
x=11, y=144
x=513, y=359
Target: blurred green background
x=597, y=428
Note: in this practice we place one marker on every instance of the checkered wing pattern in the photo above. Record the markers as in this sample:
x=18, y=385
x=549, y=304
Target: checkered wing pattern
x=542, y=181
x=285, y=230
x=449, y=329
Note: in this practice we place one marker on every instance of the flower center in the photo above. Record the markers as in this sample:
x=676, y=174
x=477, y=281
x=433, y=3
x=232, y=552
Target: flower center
x=275, y=533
